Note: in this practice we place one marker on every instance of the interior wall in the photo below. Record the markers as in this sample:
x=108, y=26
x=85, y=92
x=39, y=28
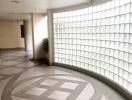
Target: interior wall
x=28, y=38
x=39, y=26
x=10, y=35
x=28, y=35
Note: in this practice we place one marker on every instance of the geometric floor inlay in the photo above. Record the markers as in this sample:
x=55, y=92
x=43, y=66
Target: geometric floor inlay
x=1, y=77
x=27, y=64
x=69, y=85
x=36, y=91
x=24, y=85
x=10, y=71
x=23, y=79
x=59, y=95
x=87, y=93
x=103, y=98
x=49, y=82
x=8, y=63
x=69, y=78
x=31, y=72
x=18, y=98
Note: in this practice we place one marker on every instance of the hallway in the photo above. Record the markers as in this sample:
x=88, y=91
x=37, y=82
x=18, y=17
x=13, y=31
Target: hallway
x=22, y=79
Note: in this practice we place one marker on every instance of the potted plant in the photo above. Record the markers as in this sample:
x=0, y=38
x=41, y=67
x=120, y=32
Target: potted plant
x=46, y=49
x=46, y=45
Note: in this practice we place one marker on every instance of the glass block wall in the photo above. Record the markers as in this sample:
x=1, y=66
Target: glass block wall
x=97, y=38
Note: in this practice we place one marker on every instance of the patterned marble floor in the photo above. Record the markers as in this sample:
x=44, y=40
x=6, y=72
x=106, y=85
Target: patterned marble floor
x=22, y=79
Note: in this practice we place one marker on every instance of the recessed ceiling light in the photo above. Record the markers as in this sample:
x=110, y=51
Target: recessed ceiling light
x=15, y=1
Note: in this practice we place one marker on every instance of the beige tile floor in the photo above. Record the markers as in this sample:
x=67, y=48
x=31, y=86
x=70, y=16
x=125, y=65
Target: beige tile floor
x=22, y=79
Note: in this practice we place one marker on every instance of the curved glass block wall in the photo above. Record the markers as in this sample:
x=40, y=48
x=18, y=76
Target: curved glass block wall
x=97, y=38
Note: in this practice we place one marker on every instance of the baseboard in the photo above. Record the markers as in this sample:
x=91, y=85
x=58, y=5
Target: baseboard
x=6, y=49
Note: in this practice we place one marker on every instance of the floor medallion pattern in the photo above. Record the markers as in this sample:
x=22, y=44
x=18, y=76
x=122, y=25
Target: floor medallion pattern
x=22, y=79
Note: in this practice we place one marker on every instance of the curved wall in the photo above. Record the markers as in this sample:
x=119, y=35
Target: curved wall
x=97, y=38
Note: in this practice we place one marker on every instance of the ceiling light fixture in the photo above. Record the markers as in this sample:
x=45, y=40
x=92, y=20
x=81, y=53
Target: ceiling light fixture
x=90, y=2
x=15, y=1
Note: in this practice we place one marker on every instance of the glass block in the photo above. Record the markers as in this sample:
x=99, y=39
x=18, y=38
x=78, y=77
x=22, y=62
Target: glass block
x=121, y=37
x=107, y=74
x=116, y=70
x=127, y=7
x=117, y=22
x=107, y=44
x=126, y=56
x=126, y=66
x=122, y=27
x=130, y=58
x=121, y=45
x=125, y=84
x=117, y=10
x=125, y=75
x=130, y=77
x=107, y=51
x=121, y=55
x=120, y=81
x=130, y=38
x=130, y=17
x=112, y=45
x=59, y=59
x=78, y=64
x=111, y=60
x=126, y=47
x=116, y=37
x=102, y=71
x=126, y=37
x=127, y=18
x=130, y=87
x=116, y=62
x=130, y=67
x=111, y=52
x=130, y=48
x=111, y=76
x=120, y=72
x=56, y=59
x=116, y=78
x=116, y=53
x=98, y=70
x=121, y=64
x=122, y=9
x=127, y=28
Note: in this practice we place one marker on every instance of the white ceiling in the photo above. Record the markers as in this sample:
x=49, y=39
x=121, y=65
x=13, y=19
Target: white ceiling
x=23, y=9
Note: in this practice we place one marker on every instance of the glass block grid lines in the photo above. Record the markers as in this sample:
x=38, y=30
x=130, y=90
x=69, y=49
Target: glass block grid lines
x=97, y=38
